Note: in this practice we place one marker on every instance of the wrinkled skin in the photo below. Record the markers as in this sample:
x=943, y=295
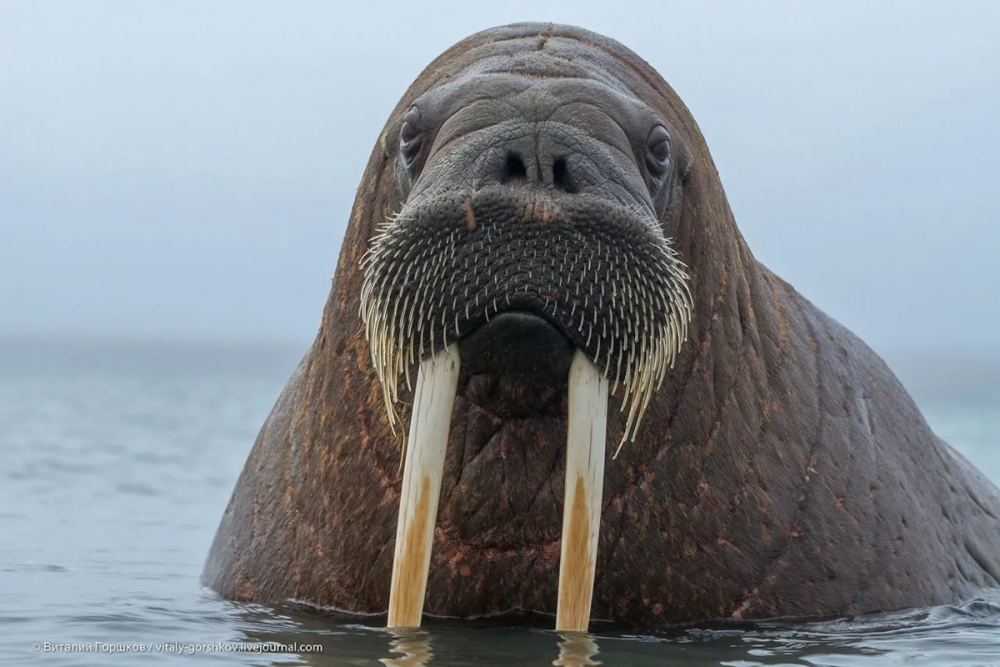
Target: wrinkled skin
x=781, y=469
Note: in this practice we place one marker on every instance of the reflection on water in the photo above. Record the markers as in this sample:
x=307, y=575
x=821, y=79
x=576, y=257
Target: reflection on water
x=948, y=635
x=117, y=464
x=415, y=645
x=577, y=649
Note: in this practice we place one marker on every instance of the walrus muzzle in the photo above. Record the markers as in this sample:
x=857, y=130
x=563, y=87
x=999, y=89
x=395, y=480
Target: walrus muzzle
x=583, y=282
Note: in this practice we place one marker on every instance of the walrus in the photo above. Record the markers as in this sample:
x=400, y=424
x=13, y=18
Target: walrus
x=544, y=307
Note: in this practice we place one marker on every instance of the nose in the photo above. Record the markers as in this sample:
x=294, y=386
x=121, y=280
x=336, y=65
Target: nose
x=538, y=159
x=553, y=172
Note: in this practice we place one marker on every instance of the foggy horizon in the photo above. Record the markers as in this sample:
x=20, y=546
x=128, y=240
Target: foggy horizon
x=185, y=172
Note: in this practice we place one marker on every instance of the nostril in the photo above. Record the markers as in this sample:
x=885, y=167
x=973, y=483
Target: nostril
x=560, y=175
x=515, y=168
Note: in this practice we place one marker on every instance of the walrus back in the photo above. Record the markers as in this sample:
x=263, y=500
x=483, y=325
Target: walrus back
x=889, y=506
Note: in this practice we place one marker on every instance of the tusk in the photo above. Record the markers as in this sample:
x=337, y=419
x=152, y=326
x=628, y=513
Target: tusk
x=587, y=432
x=423, y=467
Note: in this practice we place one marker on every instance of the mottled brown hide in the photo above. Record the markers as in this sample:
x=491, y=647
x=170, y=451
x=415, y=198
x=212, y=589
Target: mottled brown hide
x=781, y=469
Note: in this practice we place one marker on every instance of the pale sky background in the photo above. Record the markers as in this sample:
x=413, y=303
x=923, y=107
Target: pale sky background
x=185, y=170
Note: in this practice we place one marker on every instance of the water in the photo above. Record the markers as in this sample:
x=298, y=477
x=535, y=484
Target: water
x=117, y=462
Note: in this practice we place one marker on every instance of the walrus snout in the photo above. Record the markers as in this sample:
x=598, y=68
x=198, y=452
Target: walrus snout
x=518, y=343
x=601, y=272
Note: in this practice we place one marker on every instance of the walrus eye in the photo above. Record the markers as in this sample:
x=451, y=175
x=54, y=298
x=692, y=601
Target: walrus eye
x=658, y=156
x=409, y=135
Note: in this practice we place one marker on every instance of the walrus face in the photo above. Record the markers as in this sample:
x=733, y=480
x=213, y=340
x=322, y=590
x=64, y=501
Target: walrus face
x=531, y=227
x=531, y=234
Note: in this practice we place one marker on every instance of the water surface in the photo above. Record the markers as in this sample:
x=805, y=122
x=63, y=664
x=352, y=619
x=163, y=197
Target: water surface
x=118, y=460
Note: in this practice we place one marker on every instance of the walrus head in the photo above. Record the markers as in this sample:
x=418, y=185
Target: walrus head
x=533, y=194
x=531, y=227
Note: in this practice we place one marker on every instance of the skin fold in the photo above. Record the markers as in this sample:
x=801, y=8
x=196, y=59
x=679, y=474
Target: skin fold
x=780, y=469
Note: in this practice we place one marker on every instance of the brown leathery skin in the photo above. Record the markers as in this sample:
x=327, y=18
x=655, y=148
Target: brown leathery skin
x=781, y=470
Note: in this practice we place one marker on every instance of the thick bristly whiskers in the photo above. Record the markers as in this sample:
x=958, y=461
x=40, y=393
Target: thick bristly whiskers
x=427, y=275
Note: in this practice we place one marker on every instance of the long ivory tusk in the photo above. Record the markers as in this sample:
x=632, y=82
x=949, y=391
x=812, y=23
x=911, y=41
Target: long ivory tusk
x=586, y=434
x=423, y=467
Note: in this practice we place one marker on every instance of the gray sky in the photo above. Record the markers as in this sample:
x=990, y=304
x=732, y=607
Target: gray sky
x=186, y=169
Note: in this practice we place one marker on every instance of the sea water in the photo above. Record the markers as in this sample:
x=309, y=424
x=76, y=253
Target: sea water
x=116, y=463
